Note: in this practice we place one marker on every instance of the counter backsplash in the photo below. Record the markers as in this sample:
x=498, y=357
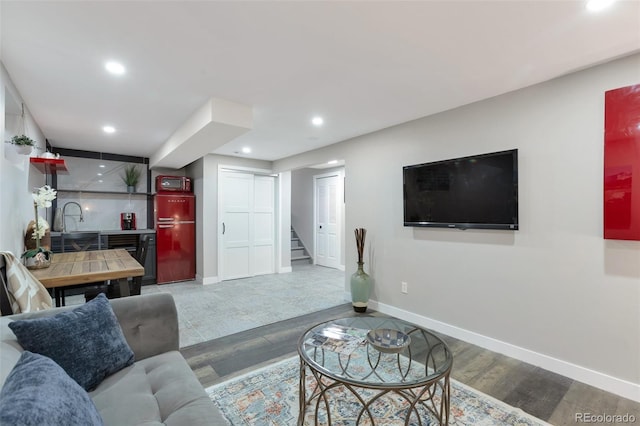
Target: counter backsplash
x=102, y=211
x=88, y=174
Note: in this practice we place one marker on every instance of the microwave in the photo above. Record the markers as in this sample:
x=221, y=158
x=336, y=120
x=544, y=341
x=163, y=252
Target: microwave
x=173, y=184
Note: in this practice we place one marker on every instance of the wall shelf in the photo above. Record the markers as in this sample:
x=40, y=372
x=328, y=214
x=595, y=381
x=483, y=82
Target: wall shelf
x=49, y=166
x=146, y=194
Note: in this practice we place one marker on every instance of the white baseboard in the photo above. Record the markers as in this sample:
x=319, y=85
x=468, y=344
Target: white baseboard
x=285, y=269
x=207, y=280
x=600, y=380
x=341, y=268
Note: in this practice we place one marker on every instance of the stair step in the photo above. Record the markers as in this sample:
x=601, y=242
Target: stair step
x=301, y=261
x=300, y=258
x=298, y=251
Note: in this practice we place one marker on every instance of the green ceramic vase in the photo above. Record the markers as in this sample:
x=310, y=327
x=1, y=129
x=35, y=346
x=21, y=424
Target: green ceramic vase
x=360, y=289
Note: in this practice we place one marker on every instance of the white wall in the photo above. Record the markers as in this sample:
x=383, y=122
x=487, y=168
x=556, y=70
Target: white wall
x=554, y=293
x=17, y=177
x=284, y=197
x=195, y=171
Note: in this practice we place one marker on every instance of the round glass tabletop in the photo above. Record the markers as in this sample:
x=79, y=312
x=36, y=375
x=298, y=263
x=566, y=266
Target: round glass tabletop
x=375, y=352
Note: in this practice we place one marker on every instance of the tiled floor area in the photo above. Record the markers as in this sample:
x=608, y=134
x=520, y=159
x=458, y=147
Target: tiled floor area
x=216, y=310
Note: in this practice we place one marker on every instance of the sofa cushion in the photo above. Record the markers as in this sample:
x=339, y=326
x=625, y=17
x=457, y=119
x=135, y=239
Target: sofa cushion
x=161, y=390
x=39, y=392
x=87, y=342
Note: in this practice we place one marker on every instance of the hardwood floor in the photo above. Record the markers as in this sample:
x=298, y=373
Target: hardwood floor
x=543, y=394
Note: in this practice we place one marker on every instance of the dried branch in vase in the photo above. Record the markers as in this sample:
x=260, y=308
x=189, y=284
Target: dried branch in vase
x=361, y=233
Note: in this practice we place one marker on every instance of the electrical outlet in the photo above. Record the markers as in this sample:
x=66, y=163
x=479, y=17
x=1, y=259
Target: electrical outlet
x=403, y=287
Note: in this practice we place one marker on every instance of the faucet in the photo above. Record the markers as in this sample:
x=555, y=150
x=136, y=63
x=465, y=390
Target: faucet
x=64, y=215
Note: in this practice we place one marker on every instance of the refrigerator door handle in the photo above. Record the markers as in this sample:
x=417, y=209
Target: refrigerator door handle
x=165, y=219
x=224, y=228
x=164, y=226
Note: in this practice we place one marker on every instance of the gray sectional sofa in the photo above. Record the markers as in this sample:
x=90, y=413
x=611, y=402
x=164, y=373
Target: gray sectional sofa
x=159, y=388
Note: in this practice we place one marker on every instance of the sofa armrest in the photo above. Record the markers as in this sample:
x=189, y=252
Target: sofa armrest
x=149, y=323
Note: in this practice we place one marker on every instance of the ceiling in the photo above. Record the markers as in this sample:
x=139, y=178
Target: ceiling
x=362, y=66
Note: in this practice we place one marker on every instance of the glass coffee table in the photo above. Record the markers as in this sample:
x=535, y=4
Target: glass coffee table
x=363, y=369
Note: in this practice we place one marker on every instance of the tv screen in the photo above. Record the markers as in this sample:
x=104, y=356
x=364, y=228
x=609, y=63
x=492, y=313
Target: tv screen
x=480, y=192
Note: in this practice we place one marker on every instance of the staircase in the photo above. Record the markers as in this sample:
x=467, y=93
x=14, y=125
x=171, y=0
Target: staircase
x=299, y=254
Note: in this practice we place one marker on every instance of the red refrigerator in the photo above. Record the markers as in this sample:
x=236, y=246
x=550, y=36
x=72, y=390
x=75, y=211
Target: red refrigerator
x=176, y=237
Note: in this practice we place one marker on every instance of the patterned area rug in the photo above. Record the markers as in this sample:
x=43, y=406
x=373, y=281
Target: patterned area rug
x=269, y=396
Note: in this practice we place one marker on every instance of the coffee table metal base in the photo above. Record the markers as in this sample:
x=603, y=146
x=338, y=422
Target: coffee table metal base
x=434, y=396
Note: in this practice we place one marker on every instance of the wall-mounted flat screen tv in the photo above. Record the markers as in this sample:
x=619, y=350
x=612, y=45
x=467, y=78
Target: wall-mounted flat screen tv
x=480, y=191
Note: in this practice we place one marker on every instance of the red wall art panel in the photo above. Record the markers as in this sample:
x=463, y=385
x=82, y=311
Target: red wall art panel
x=622, y=163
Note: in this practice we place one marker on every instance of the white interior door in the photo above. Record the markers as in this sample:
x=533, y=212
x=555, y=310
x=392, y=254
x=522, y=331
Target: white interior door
x=247, y=225
x=236, y=196
x=263, y=225
x=328, y=194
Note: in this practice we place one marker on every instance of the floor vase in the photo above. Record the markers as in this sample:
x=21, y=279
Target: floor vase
x=360, y=289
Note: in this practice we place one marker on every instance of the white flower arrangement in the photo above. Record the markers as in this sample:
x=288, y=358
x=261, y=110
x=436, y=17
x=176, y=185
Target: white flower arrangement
x=42, y=197
x=42, y=226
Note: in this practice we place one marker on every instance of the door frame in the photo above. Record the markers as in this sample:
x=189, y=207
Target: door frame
x=341, y=210
x=255, y=171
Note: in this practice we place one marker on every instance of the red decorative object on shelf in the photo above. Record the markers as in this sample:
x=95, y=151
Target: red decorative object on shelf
x=622, y=163
x=50, y=165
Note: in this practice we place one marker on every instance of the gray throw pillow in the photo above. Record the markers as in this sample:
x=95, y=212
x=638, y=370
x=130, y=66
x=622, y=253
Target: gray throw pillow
x=39, y=392
x=87, y=342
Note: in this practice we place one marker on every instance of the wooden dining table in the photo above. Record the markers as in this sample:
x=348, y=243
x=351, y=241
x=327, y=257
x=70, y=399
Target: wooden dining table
x=87, y=267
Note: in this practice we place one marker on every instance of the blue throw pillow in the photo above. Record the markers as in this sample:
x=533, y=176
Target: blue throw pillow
x=39, y=392
x=87, y=342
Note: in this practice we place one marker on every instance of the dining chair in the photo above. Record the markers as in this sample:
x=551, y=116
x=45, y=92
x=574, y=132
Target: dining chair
x=80, y=241
x=112, y=290
x=141, y=257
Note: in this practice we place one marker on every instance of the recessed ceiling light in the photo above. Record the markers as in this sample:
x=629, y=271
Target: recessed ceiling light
x=246, y=150
x=102, y=166
x=317, y=121
x=99, y=174
x=598, y=5
x=109, y=129
x=332, y=162
x=115, y=67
